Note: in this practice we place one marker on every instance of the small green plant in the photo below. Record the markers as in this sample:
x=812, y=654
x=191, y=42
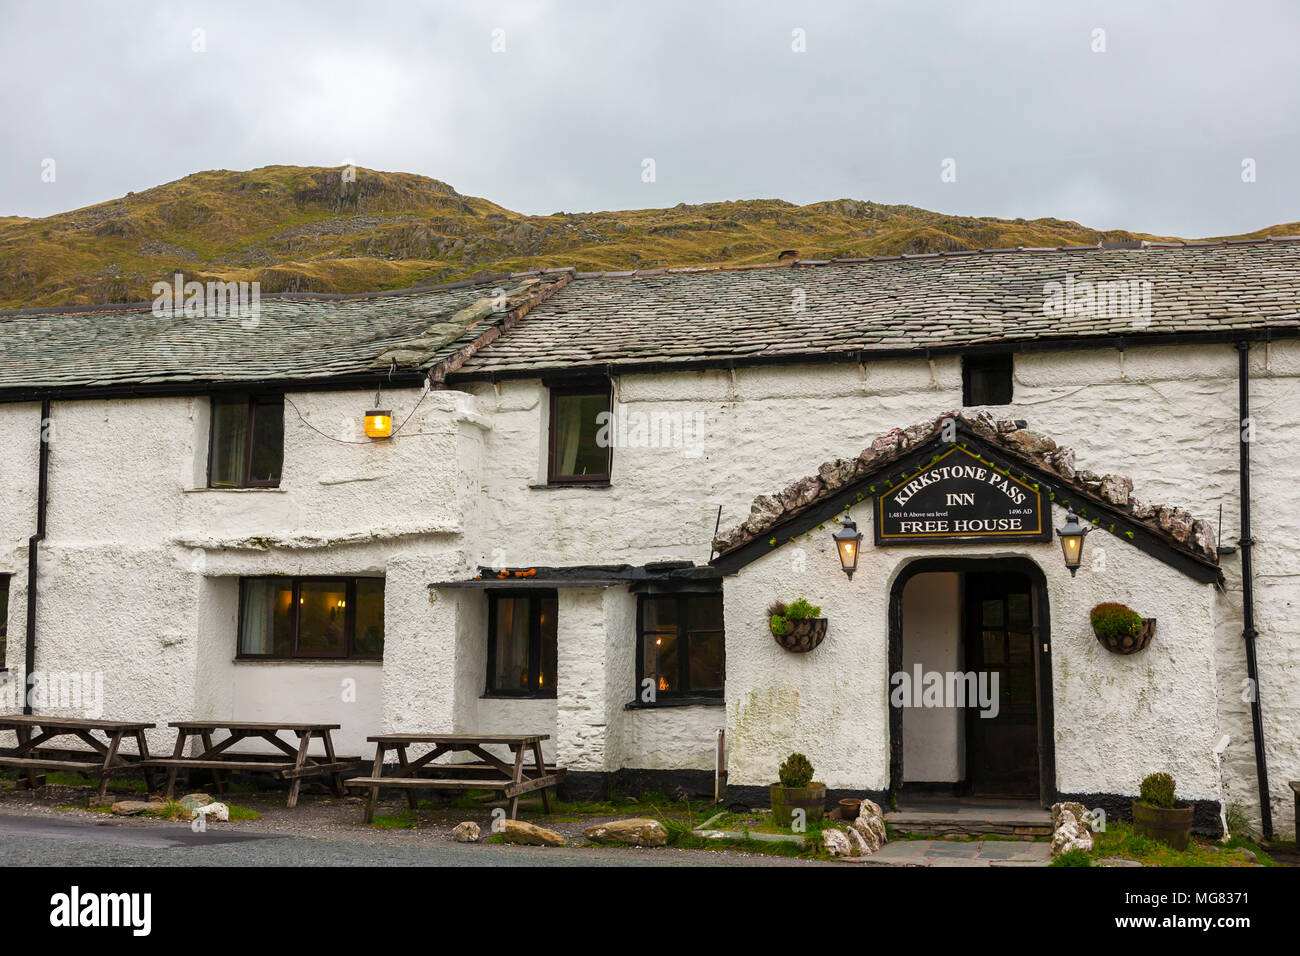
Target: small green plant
x=1073, y=858
x=797, y=771
x=1157, y=790
x=1112, y=620
x=779, y=615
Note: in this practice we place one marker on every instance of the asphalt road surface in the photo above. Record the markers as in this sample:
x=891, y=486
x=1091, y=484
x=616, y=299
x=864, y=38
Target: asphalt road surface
x=42, y=841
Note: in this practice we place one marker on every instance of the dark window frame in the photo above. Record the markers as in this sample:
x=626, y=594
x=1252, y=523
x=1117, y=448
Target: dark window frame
x=999, y=362
x=535, y=596
x=4, y=620
x=295, y=583
x=252, y=400
x=572, y=389
x=683, y=641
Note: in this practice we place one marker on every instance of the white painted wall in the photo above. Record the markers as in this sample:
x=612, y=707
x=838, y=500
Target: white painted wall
x=1115, y=719
x=933, y=738
x=134, y=545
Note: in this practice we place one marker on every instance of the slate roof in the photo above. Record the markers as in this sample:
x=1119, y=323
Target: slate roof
x=888, y=304
x=294, y=337
x=712, y=315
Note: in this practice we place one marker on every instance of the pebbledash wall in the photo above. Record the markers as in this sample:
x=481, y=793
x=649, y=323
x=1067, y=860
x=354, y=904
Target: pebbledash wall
x=139, y=569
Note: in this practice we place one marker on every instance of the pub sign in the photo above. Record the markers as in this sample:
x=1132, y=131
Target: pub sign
x=962, y=496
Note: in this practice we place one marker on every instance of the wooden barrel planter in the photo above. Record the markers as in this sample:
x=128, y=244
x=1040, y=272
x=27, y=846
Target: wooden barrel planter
x=1172, y=826
x=802, y=636
x=1130, y=644
x=785, y=800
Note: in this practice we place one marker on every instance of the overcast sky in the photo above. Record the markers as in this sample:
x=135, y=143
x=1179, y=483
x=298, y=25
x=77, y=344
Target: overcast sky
x=1149, y=135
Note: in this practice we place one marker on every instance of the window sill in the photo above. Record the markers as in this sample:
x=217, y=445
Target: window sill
x=556, y=485
x=677, y=702
x=492, y=696
x=277, y=489
x=307, y=660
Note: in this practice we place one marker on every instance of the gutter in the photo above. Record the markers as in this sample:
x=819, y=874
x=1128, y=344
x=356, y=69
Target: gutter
x=1247, y=545
x=33, y=551
x=839, y=356
x=458, y=368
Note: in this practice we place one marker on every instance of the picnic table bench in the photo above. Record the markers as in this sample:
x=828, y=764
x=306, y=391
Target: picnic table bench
x=489, y=772
x=292, y=763
x=102, y=760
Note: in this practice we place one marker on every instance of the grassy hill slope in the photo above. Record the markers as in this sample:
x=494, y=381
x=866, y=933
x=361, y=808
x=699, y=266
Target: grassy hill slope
x=308, y=229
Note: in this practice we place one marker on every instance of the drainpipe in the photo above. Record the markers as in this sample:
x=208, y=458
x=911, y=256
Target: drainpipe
x=1247, y=545
x=33, y=543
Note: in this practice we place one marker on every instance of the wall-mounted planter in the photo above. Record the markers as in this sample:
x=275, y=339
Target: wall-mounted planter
x=802, y=636
x=1129, y=644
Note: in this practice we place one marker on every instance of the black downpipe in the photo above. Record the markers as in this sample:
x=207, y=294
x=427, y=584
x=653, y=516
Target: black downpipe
x=1247, y=544
x=33, y=543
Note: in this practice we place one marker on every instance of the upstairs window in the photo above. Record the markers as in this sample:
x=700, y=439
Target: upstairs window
x=287, y=618
x=580, y=445
x=522, y=643
x=246, y=448
x=680, y=645
x=986, y=380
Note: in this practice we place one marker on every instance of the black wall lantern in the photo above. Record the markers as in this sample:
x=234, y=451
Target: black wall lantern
x=848, y=541
x=1072, y=541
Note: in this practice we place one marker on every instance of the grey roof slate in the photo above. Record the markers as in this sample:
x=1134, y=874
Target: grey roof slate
x=293, y=338
x=893, y=303
x=676, y=316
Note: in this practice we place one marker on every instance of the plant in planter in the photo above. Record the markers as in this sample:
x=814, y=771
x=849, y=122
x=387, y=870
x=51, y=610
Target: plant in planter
x=797, y=791
x=1159, y=816
x=797, y=627
x=1121, y=629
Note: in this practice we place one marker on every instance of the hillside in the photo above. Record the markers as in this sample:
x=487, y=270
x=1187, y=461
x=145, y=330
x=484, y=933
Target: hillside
x=306, y=229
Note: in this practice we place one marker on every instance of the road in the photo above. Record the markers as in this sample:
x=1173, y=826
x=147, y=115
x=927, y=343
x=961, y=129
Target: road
x=43, y=841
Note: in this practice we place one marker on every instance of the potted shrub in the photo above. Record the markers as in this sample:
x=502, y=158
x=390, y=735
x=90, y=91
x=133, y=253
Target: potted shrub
x=797, y=791
x=797, y=627
x=1121, y=629
x=1157, y=815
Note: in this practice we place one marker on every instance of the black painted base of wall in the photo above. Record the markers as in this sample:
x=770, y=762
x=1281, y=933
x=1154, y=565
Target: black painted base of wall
x=598, y=785
x=1205, y=819
x=695, y=784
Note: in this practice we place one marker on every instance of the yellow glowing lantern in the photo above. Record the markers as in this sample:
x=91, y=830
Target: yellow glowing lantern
x=1072, y=536
x=379, y=423
x=848, y=541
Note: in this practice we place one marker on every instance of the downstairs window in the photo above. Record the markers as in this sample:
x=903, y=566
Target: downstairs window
x=522, y=643
x=283, y=618
x=680, y=645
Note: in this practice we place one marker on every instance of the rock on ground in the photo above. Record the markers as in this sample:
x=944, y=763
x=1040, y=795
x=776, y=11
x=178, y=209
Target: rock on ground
x=635, y=832
x=131, y=808
x=192, y=801
x=213, y=811
x=467, y=832
x=517, y=831
x=836, y=843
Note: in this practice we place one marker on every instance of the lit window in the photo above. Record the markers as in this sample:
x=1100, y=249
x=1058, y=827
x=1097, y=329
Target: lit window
x=522, y=643
x=681, y=645
x=282, y=617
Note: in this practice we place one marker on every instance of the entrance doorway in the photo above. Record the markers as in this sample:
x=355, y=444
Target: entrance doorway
x=976, y=633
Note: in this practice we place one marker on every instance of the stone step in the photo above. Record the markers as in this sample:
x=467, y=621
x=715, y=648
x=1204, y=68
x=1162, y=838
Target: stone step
x=1023, y=823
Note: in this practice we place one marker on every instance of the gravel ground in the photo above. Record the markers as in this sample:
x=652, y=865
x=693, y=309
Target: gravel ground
x=51, y=828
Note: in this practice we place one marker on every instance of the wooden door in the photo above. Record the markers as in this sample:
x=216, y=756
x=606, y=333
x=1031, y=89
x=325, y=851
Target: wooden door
x=1002, y=751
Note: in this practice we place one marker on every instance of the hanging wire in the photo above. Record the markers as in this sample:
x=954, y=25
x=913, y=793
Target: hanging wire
x=369, y=441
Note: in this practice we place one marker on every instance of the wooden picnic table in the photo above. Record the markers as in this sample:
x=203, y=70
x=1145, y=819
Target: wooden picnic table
x=219, y=758
x=489, y=772
x=102, y=760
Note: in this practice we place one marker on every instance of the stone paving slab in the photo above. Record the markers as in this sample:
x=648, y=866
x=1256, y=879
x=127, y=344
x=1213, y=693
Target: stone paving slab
x=974, y=853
